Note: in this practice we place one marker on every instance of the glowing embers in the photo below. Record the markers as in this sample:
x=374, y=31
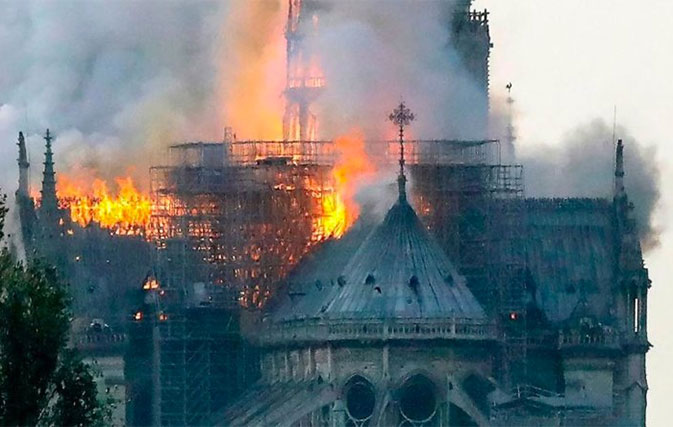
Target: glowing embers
x=253, y=296
x=124, y=212
x=150, y=284
x=251, y=228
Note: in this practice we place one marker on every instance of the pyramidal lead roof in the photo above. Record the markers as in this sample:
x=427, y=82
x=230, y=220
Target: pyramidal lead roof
x=398, y=271
x=401, y=272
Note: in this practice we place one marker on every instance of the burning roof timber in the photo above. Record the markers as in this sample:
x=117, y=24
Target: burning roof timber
x=246, y=153
x=253, y=209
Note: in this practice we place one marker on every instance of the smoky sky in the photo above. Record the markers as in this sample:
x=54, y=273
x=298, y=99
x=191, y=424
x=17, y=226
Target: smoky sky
x=582, y=165
x=375, y=53
x=117, y=81
x=110, y=78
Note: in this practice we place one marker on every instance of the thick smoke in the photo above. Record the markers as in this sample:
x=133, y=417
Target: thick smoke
x=114, y=81
x=375, y=52
x=583, y=166
x=118, y=81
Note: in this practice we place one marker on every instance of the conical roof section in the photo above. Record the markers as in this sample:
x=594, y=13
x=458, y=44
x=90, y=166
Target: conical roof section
x=401, y=272
x=398, y=272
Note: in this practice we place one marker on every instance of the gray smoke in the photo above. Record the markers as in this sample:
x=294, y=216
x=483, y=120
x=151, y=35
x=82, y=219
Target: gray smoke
x=582, y=165
x=112, y=79
x=375, y=52
x=117, y=81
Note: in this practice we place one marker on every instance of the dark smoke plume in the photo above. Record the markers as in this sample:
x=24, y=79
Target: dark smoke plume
x=583, y=166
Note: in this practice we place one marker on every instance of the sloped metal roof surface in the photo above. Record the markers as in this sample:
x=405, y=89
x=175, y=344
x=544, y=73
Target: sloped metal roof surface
x=277, y=404
x=399, y=271
x=570, y=251
x=570, y=247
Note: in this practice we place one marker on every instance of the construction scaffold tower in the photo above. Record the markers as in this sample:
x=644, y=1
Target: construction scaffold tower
x=476, y=211
x=231, y=219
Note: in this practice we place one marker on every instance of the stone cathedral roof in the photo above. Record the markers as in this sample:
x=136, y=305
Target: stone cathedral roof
x=399, y=271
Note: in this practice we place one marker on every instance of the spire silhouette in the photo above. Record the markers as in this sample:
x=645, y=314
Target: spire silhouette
x=401, y=116
x=49, y=201
x=23, y=190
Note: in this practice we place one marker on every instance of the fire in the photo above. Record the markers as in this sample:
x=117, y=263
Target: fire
x=252, y=68
x=352, y=166
x=127, y=211
x=335, y=220
x=310, y=76
x=150, y=284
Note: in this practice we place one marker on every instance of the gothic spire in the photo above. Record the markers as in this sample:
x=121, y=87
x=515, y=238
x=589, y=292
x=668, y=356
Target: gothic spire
x=23, y=167
x=49, y=201
x=401, y=116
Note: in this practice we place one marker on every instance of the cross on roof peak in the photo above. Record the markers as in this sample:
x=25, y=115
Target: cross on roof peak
x=401, y=116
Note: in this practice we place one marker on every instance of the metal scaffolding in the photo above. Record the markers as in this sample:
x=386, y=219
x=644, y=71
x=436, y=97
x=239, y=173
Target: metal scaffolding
x=231, y=219
x=476, y=213
x=239, y=215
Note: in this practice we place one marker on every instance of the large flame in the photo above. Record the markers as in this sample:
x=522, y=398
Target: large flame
x=352, y=166
x=252, y=68
x=125, y=211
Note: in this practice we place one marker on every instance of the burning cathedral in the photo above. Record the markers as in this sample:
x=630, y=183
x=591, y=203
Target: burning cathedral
x=241, y=291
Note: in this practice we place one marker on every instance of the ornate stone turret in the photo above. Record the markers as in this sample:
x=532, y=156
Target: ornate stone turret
x=633, y=275
x=50, y=217
x=23, y=168
x=631, y=299
x=24, y=203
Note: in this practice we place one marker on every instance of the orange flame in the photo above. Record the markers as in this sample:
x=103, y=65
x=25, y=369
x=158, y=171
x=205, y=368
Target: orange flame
x=352, y=166
x=252, y=68
x=125, y=212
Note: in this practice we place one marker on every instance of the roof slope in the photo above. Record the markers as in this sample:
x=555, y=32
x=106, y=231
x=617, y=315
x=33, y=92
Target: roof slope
x=399, y=271
x=277, y=403
x=570, y=248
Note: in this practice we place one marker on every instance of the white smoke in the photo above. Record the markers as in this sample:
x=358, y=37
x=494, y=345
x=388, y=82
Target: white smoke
x=375, y=52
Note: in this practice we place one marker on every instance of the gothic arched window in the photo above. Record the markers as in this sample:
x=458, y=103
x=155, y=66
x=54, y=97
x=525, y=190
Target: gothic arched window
x=360, y=400
x=418, y=400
